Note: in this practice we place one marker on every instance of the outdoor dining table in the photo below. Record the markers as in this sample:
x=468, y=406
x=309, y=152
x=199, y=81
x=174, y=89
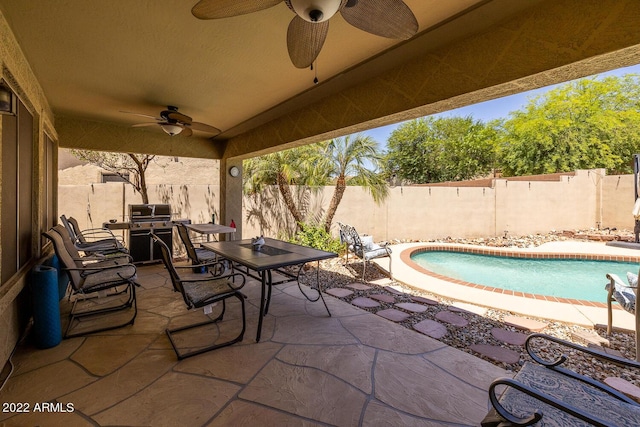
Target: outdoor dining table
x=272, y=256
x=210, y=229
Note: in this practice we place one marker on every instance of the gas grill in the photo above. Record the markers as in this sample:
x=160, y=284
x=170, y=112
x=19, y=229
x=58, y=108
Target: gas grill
x=143, y=220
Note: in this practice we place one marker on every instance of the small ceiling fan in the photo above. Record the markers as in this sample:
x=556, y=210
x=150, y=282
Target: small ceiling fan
x=308, y=29
x=174, y=123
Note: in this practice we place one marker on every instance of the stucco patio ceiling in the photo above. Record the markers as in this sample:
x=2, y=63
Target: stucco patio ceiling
x=95, y=59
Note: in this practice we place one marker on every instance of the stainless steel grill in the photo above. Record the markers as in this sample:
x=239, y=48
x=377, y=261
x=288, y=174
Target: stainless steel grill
x=144, y=219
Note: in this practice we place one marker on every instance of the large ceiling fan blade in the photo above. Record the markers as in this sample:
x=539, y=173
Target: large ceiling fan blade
x=215, y=9
x=141, y=115
x=305, y=40
x=386, y=18
x=140, y=125
x=204, y=127
x=179, y=117
x=186, y=131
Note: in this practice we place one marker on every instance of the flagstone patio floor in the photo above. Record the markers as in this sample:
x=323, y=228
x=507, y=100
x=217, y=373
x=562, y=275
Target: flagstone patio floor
x=354, y=368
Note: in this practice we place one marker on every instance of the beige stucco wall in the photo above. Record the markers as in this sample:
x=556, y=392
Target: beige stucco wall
x=508, y=206
x=617, y=201
x=190, y=186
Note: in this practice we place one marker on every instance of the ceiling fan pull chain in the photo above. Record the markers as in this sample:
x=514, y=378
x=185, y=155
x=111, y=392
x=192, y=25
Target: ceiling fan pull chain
x=315, y=74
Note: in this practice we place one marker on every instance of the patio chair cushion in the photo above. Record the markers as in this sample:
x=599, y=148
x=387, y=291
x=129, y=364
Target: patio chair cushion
x=624, y=294
x=571, y=392
x=200, y=291
x=205, y=255
x=376, y=251
x=98, y=279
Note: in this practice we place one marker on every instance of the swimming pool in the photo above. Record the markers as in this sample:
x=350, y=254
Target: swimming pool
x=560, y=276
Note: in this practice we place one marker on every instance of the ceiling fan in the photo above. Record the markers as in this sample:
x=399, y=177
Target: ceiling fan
x=174, y=123
x=308, y=29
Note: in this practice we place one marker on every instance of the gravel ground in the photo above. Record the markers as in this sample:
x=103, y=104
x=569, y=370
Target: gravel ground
x=335, y=274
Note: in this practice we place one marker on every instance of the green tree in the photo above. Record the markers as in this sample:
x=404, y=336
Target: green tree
x=589, y=123
x=441, y=149
x=128, y=166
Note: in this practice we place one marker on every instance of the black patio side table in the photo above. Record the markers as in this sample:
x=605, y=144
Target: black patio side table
x=272, y=256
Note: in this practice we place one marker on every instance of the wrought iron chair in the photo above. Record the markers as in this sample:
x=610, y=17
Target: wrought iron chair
x=544, y=393
x=365, y=251
x=202, y=293
x=92, y=241
x=625, y=295
x=100, y=287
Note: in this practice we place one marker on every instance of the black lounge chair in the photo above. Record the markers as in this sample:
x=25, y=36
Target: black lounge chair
x=202, y=293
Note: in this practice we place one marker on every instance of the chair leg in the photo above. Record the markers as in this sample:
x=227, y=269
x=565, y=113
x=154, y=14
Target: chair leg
x=183, y=355
x=76, y=317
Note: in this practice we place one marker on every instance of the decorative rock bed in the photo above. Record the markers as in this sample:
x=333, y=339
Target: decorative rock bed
x=493, y=335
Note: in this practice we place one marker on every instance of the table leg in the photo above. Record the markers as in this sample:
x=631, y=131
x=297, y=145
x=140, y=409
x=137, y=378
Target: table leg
x=270, y=287
x=263, y=282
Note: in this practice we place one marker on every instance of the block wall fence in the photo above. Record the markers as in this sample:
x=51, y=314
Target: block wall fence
x=585, y=199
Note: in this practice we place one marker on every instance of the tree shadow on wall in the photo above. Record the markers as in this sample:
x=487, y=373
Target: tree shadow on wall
x=268, y=212
x=210, y=200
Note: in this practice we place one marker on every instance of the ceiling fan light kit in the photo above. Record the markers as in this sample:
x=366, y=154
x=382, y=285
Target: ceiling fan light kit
x=315, y=10
x=174, y=123
x=171, y=129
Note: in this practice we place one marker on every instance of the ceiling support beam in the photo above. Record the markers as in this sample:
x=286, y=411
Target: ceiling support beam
x=551, y=42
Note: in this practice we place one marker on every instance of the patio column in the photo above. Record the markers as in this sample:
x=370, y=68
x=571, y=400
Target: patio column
x=231, y=195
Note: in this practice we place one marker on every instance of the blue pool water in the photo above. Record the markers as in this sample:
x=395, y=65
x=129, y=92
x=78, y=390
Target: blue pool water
x=563, y=278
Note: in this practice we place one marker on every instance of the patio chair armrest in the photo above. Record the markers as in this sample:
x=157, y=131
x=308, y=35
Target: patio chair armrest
x=536, y=415
x=614, y=278
x=88, y=270
x=617, y=360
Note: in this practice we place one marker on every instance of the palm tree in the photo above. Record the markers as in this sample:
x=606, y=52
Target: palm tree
x=353, y=162
x=345, y=161
x=297, y=167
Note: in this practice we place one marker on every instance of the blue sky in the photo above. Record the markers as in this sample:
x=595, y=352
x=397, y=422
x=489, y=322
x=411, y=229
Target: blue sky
x=489, y=110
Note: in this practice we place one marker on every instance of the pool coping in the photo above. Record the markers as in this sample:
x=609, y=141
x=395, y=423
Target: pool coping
x=577, y=312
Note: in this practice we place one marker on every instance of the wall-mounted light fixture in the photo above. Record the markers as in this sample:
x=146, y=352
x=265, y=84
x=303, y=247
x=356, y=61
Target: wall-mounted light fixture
x=234, y=171
x=7, y=99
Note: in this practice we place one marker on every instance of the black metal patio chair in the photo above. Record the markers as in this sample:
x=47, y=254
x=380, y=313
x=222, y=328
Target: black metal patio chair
x=102, y=287
x=92, y=241
x=197, y=254
x=202, y=292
